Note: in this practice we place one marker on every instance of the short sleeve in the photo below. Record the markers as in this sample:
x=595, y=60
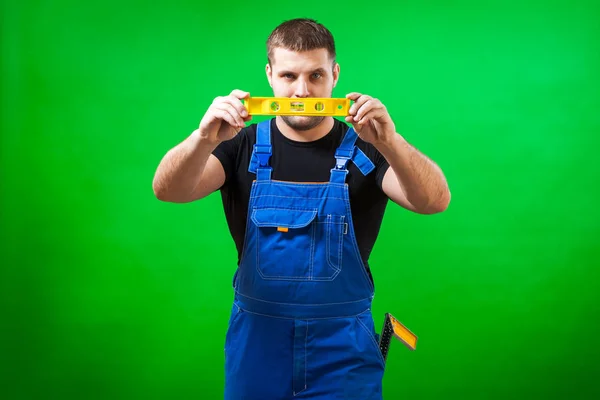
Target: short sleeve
x=381, y=167
x=381, y=164
x=227, y=153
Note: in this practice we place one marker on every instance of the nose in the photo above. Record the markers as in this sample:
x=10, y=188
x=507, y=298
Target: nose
x=301, y=89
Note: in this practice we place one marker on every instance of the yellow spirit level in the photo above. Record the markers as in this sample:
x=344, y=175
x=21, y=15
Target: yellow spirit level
x=313, y=106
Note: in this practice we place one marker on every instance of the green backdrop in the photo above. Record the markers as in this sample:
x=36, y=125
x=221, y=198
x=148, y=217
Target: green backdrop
x=108, y=293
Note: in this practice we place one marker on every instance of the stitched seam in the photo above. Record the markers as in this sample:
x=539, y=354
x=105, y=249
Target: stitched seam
x=312, y=252
x=305, y=318
x=305, y=362
x=341, y=244
x=355, y=244
x=258, y=251
x=294, y=197
x=305, y=354
x=313, y=214
x=330, y=227
x=304, y=305
x=296, y=184
x=373, y=341
x=338, y=177
x=327, y=240
x=328, y=253
x=247, y=231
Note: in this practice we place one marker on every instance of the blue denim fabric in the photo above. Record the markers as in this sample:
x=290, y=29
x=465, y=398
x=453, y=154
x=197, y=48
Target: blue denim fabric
x=301, y=324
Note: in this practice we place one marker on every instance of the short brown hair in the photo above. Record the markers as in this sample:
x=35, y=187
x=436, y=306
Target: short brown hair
x=301, y=34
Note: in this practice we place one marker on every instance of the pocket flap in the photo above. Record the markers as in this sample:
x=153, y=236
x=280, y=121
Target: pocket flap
x=283, y=217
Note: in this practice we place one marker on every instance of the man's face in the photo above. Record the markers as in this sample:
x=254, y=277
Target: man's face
x=300, y=75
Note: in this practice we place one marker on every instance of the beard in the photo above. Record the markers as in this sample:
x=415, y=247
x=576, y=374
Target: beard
x=300, y=123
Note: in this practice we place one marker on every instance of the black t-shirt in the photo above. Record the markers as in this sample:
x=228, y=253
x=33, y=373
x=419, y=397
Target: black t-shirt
x=303, y=162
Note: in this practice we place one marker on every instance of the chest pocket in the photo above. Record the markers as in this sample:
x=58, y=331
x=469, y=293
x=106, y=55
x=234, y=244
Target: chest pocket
x=297, y=244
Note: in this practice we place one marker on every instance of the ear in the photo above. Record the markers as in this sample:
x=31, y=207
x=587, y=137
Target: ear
x=336, y=74
x=269, y=74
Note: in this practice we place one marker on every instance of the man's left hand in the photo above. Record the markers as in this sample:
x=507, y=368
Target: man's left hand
x=370, y=119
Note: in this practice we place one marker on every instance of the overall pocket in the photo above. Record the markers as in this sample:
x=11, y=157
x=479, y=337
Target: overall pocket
x=297, y=244
x=334, y=228
x=366, y=339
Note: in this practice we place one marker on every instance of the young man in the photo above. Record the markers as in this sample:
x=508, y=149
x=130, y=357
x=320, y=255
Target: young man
x=304, y=198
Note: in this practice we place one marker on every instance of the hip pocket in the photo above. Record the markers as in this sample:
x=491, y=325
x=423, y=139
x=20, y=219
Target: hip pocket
x=297, y=244
x=232, y=328
x=366, y=338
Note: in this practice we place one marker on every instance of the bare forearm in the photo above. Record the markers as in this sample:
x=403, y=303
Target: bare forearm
x=422, y=181
x=180, y=170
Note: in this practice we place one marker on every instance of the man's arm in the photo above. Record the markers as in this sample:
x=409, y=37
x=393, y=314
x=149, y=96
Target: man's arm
x=412, y=181
x=189, y=171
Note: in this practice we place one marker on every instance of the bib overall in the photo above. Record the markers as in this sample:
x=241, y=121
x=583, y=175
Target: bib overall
x=301, y=325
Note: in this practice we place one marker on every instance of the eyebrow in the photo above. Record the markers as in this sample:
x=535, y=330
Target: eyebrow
x=318, y=70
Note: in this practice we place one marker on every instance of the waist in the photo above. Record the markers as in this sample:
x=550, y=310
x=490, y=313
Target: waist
x=302, y=311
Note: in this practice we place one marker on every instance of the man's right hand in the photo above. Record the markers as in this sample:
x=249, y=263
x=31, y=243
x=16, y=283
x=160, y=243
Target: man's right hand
x=225, y=118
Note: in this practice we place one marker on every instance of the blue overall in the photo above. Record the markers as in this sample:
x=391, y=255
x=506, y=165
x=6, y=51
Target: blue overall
x=301, y=325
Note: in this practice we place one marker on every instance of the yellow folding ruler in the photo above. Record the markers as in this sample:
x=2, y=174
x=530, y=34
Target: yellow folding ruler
x=313, y=106
x=392, y=327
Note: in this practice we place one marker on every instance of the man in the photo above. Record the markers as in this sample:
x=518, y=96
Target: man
x=304, y=198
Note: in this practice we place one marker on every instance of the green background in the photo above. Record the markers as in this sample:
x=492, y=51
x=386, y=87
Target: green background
x=108, y=293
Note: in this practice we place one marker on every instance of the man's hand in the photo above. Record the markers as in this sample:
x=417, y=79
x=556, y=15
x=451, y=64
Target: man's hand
x=370, y=119
x=224, y=118
x=413, y=181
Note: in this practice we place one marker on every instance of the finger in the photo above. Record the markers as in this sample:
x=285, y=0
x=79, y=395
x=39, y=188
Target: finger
x=359, y=102
x=353, y=95
x=240, y=94
x=237, y=104
x=225, y=106
x=239, y=121
x=372, y=114
x=365, y=108
x=225, y=116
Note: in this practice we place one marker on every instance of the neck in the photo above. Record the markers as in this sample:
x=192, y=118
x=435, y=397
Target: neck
x=310, y=135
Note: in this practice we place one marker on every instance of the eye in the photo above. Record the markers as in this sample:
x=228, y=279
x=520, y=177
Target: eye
x=288, y=76
x=316, y=75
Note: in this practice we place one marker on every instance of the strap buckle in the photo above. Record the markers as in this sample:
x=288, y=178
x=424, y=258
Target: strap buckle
x=340, y=162
x=342, y=156
x=263, y=153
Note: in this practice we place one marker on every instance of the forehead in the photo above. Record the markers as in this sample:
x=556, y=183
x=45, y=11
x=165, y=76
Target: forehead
x=305, y=60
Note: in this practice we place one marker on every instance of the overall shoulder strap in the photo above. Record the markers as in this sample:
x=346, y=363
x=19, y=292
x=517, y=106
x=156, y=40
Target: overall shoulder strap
x=262, y=151
x=349, y=151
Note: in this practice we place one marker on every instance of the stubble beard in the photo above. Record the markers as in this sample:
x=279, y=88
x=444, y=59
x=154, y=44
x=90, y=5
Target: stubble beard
x=299, y=123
